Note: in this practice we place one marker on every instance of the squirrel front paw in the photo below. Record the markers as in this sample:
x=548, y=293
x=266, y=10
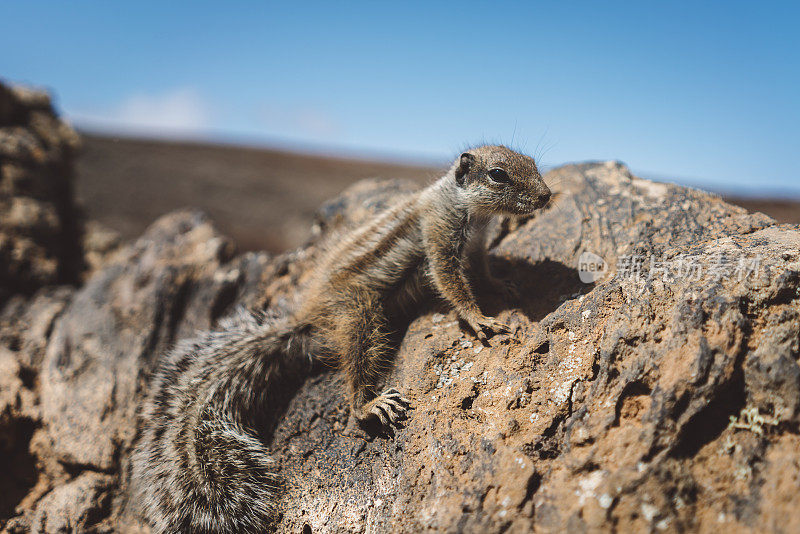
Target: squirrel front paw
x=389, y=408
x=481, y=324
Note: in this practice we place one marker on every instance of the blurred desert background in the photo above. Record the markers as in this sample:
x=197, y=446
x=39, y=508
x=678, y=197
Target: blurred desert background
x=263, y=198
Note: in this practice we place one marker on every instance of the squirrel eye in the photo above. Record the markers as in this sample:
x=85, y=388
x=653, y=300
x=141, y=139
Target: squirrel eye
x=499, y=176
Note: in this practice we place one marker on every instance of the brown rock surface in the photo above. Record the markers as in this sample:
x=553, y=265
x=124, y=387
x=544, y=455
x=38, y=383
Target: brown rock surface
x=650, y=400
x=39, y=223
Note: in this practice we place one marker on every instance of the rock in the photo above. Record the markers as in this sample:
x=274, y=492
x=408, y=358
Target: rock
x=665, y=396
x=39, y=220
x=99, y=245
x=86, y=354
x=75, y=505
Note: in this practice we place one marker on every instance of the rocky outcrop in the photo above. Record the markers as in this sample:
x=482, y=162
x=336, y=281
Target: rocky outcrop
x=663, y=396
x=76, y=363
x=39, y=224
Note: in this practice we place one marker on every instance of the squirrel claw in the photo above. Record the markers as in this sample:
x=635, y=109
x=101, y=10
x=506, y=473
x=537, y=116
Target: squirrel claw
x=482, y=325
x=389, y=408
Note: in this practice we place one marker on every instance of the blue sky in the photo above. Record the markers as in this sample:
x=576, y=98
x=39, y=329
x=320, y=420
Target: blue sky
x=706, y=93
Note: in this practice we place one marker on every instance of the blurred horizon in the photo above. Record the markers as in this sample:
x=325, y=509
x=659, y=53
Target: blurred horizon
x=702, y=95
x=392, y=158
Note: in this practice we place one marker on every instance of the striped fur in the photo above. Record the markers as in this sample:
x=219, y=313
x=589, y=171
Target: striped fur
x=199, y=465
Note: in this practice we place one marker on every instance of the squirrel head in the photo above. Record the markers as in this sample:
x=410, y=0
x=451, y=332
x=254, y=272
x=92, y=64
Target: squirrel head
x=498, y=180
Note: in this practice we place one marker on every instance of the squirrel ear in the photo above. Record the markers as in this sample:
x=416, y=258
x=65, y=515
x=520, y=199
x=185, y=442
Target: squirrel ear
x=464, y=165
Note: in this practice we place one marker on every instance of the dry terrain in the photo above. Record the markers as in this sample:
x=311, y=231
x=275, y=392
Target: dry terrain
x=264, y=199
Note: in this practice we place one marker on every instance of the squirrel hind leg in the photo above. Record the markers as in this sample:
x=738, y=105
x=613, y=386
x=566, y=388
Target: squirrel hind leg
x=361, y=337
x=390, y=408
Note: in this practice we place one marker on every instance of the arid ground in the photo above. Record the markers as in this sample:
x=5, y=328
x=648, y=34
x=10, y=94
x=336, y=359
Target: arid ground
x=264, y=199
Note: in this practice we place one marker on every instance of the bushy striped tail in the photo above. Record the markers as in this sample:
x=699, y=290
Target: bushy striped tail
x=198, y=466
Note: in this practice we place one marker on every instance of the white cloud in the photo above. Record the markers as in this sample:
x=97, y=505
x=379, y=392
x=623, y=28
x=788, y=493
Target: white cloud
x=178, y=111
x=182, y=113
x=304, y=122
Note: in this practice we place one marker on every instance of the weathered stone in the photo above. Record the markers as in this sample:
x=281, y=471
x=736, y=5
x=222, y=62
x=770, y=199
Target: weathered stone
x=72, y=507
x=39, y=223
x=99, y=245
x=649, y=400
x=31, y=98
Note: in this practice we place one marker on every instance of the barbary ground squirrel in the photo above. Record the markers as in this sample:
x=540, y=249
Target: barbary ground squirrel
x=197, y=465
